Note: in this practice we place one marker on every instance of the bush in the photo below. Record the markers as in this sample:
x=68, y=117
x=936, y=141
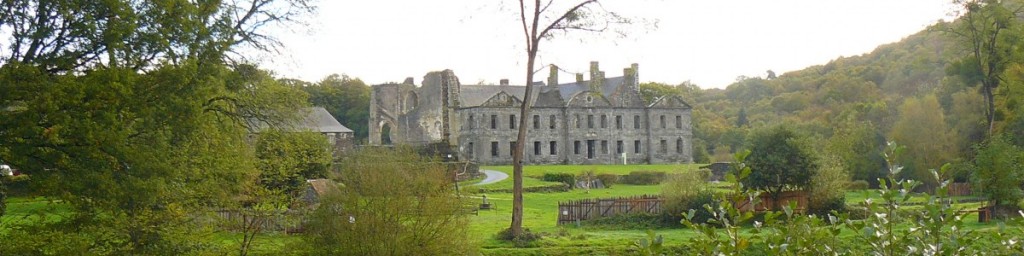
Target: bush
x=643, y=178
x=608, y=179
x=826, y=207
x=680, y=194
x=525, y=239
x=828, y=187
x=17, y=185
x=701, y=214
x=566, y=178
x=858, y=185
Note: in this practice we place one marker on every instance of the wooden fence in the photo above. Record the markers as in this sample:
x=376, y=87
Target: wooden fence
x=588, y=209
x=798, y=197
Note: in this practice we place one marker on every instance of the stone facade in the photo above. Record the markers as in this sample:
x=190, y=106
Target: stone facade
x=598, y=121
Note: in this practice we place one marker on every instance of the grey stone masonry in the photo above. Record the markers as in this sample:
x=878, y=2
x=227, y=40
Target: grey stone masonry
x=600, y=121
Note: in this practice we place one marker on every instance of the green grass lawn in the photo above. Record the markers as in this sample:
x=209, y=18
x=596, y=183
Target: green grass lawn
x=540, y=215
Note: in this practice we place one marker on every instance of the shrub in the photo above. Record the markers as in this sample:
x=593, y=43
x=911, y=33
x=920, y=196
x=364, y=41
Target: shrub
x=626, y=221
x=17, y=185
x=643, y=178
x=828, y=187
x=680, y=194
x=566, y=178
x=701, y=214
x=824, y=208
x=858, y=185
x=608, y=179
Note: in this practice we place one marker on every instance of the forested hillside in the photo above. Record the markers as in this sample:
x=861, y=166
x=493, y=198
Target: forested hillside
x=919, y=92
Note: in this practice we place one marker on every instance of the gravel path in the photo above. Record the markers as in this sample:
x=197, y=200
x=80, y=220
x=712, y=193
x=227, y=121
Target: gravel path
x=492, y=176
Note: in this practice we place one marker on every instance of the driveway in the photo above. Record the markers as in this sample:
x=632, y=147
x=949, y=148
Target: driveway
x=492, y=176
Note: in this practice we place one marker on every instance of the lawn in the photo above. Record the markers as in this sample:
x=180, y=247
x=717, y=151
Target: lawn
x=540, y=215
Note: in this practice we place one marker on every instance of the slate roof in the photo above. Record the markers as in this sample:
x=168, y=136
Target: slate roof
x=315, y=119
x=318, y=119
x=476, y=95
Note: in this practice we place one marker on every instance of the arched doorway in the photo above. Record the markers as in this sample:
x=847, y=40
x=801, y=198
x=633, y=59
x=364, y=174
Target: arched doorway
x=385, y=134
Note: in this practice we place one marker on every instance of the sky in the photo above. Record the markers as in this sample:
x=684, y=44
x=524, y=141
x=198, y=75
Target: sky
x=709, y=43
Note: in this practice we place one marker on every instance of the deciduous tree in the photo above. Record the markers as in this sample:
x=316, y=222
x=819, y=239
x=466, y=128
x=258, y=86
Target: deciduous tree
x=780, y=159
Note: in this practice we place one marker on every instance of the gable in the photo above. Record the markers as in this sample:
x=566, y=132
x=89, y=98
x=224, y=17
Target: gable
x=671, y=101
x=589, y=99
x=502, y=99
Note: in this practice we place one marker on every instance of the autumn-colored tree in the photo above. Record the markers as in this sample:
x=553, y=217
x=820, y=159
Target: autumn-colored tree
x=921, y=127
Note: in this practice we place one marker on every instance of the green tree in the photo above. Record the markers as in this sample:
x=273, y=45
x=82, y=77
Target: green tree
x=921, y=127
x=133, y=113
x=989, y=31
x=780, y=159
x=346, y=98
x=391, y=202
x=288, y=158
x=858, y=147
x=998, y=172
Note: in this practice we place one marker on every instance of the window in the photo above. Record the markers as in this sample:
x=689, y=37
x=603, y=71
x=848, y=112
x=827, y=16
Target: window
x=536, y=148
x=576, y=147
x=679, y=146
x=590, y=149
x=469, y=149
x=604, y=147
x=511, y=121
x=636, y=122
x=604, y=121
x=679, y=122
x=618, y=122
x=636, y=146
x=590, y=121
x=511, y=147
x=552, y=150
x=551, y=123
x=662, y=119
x=494, y=122
x=618, y=147
x=536, y=122
x=331, y=139
x=494, y=148
x=577, y=121
x=470, y=123
x=663, y=147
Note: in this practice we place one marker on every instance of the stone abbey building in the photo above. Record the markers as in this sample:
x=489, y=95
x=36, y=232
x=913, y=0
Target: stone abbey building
x=598, y=121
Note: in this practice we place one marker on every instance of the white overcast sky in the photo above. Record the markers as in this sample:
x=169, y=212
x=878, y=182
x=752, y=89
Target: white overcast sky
x=707, y=42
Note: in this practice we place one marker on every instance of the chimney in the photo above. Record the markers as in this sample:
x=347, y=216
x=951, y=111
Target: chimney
x=553, y=75
x=579, y=78
x=504, y=82
x=596, y=77
x=409, y=81
x=636, y=74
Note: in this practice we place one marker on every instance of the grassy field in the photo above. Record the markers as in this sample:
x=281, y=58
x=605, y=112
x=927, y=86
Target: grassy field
x=540, y=215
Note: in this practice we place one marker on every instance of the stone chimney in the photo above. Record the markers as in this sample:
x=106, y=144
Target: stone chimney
x=596, y=77
x=503, y=82
x=635, y=76
x=579, y=78
x=553, y=75
x=409, y=81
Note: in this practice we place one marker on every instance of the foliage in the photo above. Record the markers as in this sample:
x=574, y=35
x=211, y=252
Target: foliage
x=780, y=159
x=828, y=187
x=998, y=172
x=608, y=179
x=650, y=246
x=709, y=240
x=566, y=178
x=643, y=178
x=931, y=147
x=392, y=202
x=682, y=192
x=288, y=158
x=858, y=185
x=858, y=145
x=346, y=98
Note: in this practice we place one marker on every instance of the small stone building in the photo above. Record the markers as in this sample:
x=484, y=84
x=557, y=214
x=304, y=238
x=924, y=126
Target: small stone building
x=598, y=121
x=317, y=119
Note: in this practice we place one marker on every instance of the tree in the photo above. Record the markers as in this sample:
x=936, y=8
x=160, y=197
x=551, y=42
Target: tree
x=133, y=113
x=288, y=158
x=858, y=147
x=998, y=172
x=391, y=202
x=988, y=29
x=780, y=159
x=921, y=127
x=539, y=22
x=346, y=98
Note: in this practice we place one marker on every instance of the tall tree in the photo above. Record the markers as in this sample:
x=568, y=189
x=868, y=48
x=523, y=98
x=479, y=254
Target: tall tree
x=539, y=21
x=134, y=112
x=989, y=30
x=921, y=127
x=780, y=159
